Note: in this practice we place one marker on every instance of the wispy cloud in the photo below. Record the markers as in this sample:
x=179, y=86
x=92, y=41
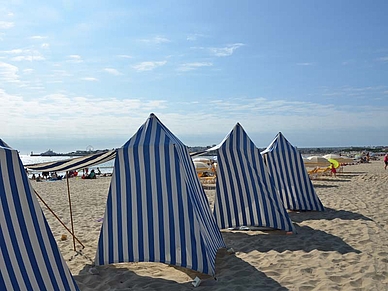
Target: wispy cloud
x=24, y=55
x=148, y=66
x=74, y=59
x=31, y=57
x=383, y=59
x=194, y=37
x=9, y=73
x=155, y=40
x=39, y=37
x=225, y=51
x=28, y=71
x=89, y=79
x=112, y=71
x=6, y=24
x=125, y=56
x=304, y=64
x=193, y=66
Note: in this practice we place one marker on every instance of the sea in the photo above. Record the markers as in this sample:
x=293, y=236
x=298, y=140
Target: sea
x=105, y=168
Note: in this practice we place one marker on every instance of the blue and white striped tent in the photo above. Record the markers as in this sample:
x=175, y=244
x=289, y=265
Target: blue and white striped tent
x=285, y=164
x=245, y=194
x=157, y=210
x=29, y=256
x=3, y=144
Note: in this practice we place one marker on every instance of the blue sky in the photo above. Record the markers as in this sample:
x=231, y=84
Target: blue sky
x=80, y=73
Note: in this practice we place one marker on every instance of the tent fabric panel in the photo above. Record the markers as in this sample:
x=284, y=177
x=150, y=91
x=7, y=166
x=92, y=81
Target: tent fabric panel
x=156, y=208
x=74, y=164
x=245, y=195
x=30, y=258
x=285, y=165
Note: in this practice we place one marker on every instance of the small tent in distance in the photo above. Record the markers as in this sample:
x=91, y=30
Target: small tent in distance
x=156, y=209
x=245, y=194
x=29, y=256
x=286, y=166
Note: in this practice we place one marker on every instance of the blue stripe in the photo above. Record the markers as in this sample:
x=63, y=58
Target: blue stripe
x=194, y=255
x=139, y=203
x=120, y=227
x=149, y=194
x=130, y=208
x=181, y=215
x=171, y=216
x=159, y=193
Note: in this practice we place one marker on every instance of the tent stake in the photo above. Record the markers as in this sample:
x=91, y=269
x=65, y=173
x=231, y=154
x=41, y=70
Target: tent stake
x=60, y=221
x=71, y=212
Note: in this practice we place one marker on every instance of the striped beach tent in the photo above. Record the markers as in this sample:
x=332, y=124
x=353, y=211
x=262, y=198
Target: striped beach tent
x=156, y=209
x=3, y=144
x=245, y=194
x=285, y=164
x=29, y=256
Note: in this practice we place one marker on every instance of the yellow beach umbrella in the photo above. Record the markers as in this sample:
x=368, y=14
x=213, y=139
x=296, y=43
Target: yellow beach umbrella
x=335, y=163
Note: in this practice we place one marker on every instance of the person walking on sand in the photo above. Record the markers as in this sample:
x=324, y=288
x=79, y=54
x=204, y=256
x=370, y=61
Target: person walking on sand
x=385, y=161
x=333, y=170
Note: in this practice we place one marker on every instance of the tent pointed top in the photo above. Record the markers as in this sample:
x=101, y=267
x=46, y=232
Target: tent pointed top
x=279, y=139
x=236, y=130
x=152, y=125
x=4, y=144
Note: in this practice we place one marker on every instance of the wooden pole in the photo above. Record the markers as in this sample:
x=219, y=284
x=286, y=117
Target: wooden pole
x=60, y=221
x=71, y=212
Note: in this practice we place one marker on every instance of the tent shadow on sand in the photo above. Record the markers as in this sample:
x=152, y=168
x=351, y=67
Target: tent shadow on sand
x=230, y=271
x=307, y=239
x=328, y=214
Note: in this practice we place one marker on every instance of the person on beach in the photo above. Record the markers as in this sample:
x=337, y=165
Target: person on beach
x=333, y=170
x=92, y=175
x=385, y=161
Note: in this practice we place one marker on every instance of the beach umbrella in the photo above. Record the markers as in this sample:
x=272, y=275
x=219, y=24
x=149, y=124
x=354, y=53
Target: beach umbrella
x=334, y=162
x=338, y=158
x=201, y=167
x=316, y=161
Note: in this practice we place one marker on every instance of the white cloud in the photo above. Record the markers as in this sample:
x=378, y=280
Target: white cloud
x=125, y=56
x=155, y=40
x=8, y=73
x=74, y=59
x=192, y=66
x=45, y=45
x=90, y=79
x=194, y=37
x=24, y=55
x=39, y=37
x=148, y=66
x=304, y=64
x=226, y=51
x=6, y=24
x=383, y=59
x=28, y=71
x=30, y=58
x=14, y=51
x=112, y=71
x=75, y=113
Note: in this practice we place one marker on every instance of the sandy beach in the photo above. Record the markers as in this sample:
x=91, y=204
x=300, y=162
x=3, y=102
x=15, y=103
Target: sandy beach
x=343, y=248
